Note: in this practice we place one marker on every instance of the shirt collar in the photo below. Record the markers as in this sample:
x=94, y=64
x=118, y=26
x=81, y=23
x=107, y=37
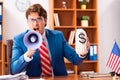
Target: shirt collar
x=43, y=35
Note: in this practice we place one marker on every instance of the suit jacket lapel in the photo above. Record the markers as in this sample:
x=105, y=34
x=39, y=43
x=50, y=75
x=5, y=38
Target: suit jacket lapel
x=51, y=42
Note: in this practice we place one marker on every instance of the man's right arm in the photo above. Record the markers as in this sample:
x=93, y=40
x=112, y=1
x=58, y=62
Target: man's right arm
x=18, y=62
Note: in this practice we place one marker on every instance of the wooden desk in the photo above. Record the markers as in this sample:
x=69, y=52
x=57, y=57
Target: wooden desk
x=72, y=77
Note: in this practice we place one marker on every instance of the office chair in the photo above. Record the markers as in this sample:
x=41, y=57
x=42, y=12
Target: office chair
x=9, y=53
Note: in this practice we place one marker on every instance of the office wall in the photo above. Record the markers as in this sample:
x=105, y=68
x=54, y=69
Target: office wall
x=108, y=20
x=109, y=29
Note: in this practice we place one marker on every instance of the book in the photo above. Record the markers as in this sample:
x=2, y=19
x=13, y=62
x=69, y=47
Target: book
x=92, y=54
x=71, y=37
x=0, y=12
x=56, y=19
x=95, y=52
x=58, y=23
x=0, y=32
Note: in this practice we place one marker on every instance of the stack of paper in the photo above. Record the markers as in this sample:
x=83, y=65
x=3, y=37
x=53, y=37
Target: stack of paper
x=20, y=76
x=95, y=75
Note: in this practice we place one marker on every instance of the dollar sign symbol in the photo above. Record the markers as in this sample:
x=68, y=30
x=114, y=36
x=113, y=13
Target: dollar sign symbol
x=82, y=38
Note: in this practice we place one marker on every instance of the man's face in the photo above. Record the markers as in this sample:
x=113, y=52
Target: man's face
x=36, y=22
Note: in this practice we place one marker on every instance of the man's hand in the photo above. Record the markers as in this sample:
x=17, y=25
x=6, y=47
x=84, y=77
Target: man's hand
x=86, y=48
x=30, y=53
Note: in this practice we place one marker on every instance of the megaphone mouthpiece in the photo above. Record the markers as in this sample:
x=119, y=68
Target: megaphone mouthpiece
x=33, y=38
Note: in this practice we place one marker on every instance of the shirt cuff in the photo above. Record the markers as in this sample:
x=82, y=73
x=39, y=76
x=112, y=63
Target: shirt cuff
x=82, y=56
x=27, y=59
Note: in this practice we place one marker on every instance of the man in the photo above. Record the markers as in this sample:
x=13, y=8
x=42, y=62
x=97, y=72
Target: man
x=25, y=59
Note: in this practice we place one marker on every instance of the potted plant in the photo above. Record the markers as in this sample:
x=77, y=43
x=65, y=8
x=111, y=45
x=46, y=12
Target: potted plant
x=84, y=21
x=83, y=3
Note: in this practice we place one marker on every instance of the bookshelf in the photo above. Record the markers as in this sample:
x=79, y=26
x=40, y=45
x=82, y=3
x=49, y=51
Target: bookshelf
x=69, y=20
x=1, y=40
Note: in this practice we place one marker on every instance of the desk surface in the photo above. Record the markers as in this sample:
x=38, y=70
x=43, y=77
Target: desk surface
x=71, y=77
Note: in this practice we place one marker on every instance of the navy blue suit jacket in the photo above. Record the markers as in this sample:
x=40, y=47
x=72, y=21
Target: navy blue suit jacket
x=59, y=48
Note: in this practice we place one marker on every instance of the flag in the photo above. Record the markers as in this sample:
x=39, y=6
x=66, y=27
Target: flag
x=114, y=59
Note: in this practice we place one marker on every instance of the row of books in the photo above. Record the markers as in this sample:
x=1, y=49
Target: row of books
x=0, y=21
x=0, y=12
x=92, y=54
x=0, y=32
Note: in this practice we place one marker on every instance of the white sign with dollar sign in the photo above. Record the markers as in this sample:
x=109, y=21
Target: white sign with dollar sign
x=80, y=41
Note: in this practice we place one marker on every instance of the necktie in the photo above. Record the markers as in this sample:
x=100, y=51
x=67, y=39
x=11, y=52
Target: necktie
x=45, y=60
